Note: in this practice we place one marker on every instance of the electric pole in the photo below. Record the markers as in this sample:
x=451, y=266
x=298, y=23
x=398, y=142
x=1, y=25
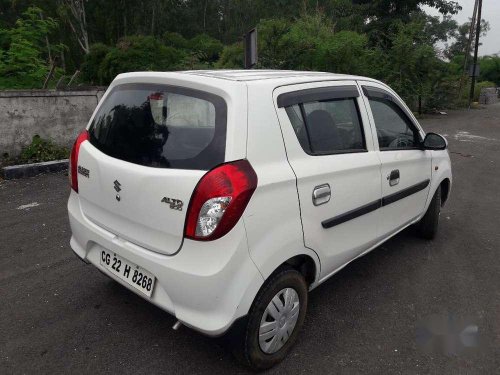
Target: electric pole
x=467, y=51
x=476, y=48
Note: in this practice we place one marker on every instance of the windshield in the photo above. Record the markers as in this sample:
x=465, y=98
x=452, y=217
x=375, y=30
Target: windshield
x=161, y=126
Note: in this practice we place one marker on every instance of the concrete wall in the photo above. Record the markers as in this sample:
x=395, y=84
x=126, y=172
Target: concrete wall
x=56, y=115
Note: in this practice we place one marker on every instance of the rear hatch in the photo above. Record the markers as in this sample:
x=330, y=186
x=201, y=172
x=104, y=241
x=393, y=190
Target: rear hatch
x=148, y=147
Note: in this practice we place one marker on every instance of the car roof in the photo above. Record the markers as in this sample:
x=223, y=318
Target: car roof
x=287, y=76
x=254, y=74
x=224, y=79
x=261, y=74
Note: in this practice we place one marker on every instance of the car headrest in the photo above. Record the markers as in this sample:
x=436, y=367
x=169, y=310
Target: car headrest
x=323, y=131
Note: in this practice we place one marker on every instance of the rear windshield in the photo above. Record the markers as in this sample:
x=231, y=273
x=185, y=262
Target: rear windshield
x=161, y=126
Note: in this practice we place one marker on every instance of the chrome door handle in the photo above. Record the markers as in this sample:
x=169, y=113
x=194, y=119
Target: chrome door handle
x=321, y=194
x=393, y=177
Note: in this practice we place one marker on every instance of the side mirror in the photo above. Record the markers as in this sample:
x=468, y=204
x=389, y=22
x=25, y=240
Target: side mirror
x=434, y=142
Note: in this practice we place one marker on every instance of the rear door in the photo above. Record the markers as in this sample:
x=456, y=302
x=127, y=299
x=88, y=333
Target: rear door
x=330, y=149
x=149, y=144
x=406, y=168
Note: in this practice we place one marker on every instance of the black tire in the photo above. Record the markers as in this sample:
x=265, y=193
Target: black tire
x=428, y=226
x=251, y=352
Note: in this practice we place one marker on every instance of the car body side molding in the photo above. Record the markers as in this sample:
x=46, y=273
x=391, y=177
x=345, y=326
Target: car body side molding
x=370, y=207
x=363, y=210
x=405, y=193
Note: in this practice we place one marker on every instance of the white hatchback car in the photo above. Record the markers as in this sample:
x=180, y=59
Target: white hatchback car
x=223, y=197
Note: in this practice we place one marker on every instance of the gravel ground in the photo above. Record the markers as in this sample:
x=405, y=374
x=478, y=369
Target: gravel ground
x=62, y=316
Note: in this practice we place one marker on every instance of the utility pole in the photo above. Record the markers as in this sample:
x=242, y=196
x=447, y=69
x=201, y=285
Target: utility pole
x=467, y=51
x=471, y=35
x=476, y=48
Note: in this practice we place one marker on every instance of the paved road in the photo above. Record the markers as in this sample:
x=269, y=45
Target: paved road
x=59, y=315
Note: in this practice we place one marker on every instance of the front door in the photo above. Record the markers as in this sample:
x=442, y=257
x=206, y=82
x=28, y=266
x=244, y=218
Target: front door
x=406, y=168
x=330, y=148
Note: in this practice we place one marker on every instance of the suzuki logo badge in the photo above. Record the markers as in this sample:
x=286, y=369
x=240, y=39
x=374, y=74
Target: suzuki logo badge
x=118, y=189
x=117, y=186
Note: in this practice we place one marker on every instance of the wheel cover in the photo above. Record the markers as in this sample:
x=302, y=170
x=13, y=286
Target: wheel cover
x=279, y=320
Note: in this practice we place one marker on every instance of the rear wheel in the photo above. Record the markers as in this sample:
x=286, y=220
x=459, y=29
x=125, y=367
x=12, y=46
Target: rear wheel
x=428, y=226
x=275, y=319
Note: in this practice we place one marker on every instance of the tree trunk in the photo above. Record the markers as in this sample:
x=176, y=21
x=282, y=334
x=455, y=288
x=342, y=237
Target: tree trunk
x=77, y=20
x=49, y=53
x=205, y=16
x=63, y=61
x=153, y=21
x=49, y=76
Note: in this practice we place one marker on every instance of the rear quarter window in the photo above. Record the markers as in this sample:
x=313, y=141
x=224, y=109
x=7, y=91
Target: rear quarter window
x=161, y=126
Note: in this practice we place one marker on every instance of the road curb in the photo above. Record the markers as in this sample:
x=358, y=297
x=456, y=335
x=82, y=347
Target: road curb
x=30, y=170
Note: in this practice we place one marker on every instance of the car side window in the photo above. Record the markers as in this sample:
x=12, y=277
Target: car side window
x=328, y=126
x=395, y=130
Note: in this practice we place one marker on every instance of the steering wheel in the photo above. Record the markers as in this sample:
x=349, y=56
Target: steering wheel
x=403, y=141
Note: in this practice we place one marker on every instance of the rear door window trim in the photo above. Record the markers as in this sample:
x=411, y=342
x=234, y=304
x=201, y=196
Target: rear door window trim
x=317, y=94
x=337, y=152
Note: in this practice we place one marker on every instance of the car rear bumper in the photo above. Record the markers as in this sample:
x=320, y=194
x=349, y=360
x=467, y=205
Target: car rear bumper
x=207, y=285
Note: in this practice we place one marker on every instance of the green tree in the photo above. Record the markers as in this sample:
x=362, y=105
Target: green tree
x=490, y=69
x=346, y=52
x=24, y=59
x=302, y=43
x=402, y=9
x=461, y=39
x=309, y=43
x=413, y=68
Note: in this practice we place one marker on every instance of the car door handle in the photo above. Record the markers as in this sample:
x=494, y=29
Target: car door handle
x=393, y=177
x=321, y=194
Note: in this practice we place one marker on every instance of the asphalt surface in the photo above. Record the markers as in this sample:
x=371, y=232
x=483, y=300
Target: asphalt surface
x=59, y=315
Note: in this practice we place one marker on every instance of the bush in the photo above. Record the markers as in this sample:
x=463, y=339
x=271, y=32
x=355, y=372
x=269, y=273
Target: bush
x=273, y=54
x=210, y=48
x=308, y=44
x=146, y=53
x=345, y=52
x=92, y=62
x=139, y=53
x=175, y=40
x=232, y=57
x=41, y=150
x=302, y=42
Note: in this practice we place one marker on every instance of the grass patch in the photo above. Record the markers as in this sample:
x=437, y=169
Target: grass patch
x=39, y=150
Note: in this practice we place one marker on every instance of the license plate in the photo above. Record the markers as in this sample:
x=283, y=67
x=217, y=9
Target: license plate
x=129, y=272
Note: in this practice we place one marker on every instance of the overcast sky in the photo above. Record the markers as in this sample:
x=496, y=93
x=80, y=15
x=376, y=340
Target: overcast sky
x=490, y=12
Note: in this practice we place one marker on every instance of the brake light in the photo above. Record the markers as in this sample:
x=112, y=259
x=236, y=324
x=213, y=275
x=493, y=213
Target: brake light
x=219, y=200
x=73, y=161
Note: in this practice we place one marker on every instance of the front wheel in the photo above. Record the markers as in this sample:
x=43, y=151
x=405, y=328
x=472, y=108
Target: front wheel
x=275, y=319
x=428, y=226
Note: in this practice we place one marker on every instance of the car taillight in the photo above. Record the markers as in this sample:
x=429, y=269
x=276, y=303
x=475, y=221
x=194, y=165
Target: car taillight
x=219, y=200
x=73, y=160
